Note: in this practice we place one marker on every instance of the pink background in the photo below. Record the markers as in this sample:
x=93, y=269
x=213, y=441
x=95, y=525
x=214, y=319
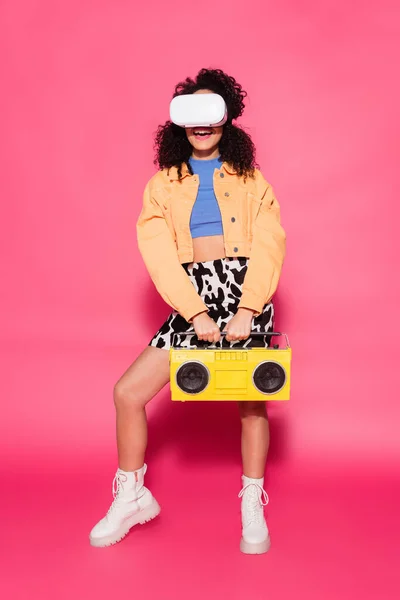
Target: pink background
x=85, y=85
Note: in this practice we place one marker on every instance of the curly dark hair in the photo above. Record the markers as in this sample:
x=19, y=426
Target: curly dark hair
x=236, y=147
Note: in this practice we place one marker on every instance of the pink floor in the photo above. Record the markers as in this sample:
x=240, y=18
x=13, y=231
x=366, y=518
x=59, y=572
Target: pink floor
x=85, y=86
x=334, y=527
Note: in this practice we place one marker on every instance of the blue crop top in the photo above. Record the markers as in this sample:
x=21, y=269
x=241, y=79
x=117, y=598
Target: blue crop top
x=206, y=217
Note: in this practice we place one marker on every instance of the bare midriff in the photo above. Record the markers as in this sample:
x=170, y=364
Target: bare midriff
x=207, y=248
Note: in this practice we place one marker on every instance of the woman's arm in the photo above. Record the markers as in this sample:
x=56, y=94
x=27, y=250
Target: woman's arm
x=160, y=256
x=267, y=252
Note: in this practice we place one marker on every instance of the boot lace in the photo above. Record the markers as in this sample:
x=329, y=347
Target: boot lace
x=117, y=488
x=255, y=498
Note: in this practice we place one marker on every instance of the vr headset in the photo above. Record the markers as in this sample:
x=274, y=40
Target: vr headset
x=198, y=110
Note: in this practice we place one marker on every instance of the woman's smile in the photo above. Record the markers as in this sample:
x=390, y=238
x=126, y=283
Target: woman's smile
x=203, y=133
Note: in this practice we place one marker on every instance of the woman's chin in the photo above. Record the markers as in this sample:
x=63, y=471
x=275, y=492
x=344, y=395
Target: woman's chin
x=205, y=146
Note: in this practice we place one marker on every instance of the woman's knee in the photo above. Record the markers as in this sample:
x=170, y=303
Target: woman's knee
x=250, y=410
x=126, y=396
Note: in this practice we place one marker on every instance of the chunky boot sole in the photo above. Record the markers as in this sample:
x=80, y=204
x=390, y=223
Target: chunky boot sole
x=143, y=516
x=260, y=548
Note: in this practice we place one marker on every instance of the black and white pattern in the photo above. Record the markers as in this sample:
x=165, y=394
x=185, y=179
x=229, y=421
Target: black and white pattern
x=219, y=283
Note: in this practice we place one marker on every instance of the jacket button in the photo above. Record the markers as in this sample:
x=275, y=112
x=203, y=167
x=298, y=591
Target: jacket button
x=221, y=175
x=233, y=219
x=226, y=193
x=236, y=249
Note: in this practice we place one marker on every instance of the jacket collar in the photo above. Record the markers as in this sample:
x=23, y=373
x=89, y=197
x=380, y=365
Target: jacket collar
x=173, y=171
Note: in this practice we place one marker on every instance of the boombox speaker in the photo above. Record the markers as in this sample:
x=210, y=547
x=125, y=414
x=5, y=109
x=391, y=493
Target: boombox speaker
x=212, y=373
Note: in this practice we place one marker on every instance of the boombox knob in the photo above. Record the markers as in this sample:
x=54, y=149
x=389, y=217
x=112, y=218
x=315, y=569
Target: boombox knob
x=192, y=377
x=269, y=377
x=276, y=346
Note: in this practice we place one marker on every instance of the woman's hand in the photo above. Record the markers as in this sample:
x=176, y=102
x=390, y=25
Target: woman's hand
x=239, y=327
x=205, y=328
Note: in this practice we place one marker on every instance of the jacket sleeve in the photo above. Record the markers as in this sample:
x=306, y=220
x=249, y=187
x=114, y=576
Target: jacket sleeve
x=160, y=255
x=267, y=253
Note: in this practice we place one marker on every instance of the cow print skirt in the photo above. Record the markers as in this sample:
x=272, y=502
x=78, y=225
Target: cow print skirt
x=219, y=284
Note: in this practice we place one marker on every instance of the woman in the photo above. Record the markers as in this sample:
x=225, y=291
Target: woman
x=210, y=236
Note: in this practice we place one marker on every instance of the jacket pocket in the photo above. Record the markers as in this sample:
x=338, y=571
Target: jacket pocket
x=169, y=221
x=252, y=210
x=165, y=204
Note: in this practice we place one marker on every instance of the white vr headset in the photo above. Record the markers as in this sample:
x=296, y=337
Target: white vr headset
x=198, y=110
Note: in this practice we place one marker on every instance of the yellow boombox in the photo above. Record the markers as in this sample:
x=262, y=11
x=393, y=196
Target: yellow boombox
x=230, y=374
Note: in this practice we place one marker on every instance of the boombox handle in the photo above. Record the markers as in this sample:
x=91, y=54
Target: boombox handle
x=271, y=333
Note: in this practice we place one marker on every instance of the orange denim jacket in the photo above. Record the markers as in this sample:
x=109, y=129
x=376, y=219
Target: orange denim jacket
x=251, y=224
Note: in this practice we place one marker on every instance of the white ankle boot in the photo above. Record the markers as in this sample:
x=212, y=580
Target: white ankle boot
x=255, y=535
x=133, y=504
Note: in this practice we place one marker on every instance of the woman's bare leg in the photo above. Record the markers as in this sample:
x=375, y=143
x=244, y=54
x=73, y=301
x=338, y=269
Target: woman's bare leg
x=255, y=438
x=137, y=386
x=255, y=443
